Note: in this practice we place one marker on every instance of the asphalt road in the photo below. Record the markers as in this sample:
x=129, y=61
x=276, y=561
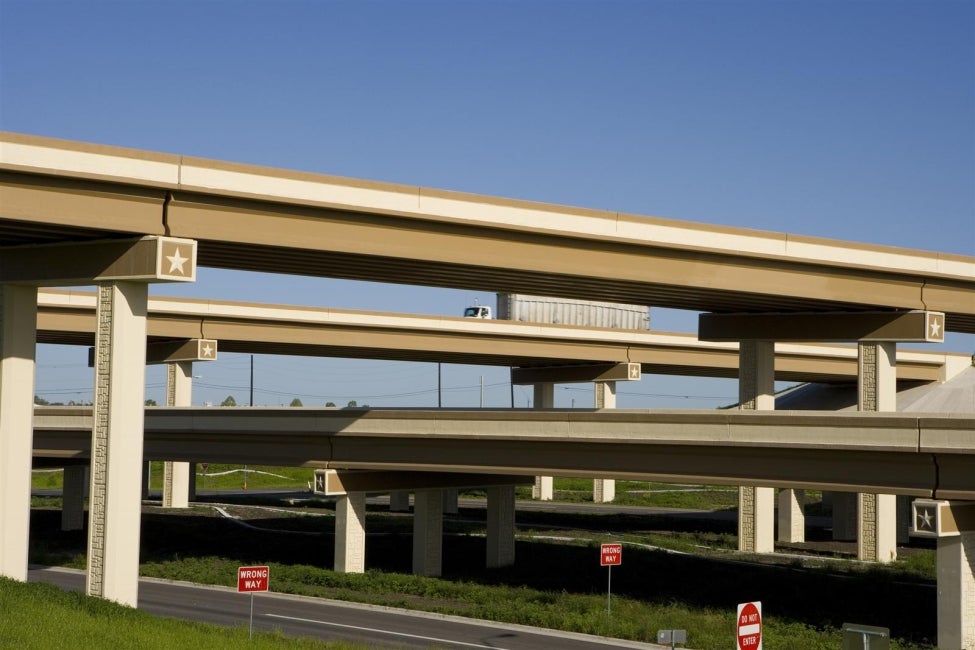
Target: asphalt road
x=378, y=627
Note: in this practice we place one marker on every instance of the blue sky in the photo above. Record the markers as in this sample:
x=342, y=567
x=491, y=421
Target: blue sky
x=853, y=120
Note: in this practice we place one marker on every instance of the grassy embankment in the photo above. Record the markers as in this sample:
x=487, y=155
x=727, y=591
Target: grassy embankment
x=558, y=585
x=73, y=620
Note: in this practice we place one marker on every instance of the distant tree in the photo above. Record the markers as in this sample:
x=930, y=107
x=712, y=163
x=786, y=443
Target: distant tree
x=40, y=401
x=296, y=402
x=151, y=402
x=230, y=401
x=352, y=403
x=329, y=403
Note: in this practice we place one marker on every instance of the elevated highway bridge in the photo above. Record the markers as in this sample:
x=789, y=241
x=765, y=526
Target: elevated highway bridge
x=929, y=455
x=68, y=317
x=80, y=214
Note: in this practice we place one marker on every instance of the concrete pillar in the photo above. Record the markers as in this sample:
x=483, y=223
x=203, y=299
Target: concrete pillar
x=500, y=526
x=904, y=518
x=191, y=487
x=427, y=532
x=544, y=399
x=756, y=391
x=876, y=513
x=450, y=498
x=176, y=476
x=115, y=506
x=543, y=489
x=844, y=516
x=604, y=397
x=350, y=533
x=399, y=501
x=73, y=492
x=146, y=479
x=956, y=592
x=18, y=337
x=792, y=521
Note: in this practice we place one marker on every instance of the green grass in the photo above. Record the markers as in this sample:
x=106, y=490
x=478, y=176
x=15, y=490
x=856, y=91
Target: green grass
x=73, y=620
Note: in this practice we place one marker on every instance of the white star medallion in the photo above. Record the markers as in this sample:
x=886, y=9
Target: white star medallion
x=176, y=262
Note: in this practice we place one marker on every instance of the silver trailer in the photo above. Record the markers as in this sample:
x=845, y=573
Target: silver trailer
x=565, y=311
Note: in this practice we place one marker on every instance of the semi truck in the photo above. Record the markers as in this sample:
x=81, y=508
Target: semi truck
x=563, y=311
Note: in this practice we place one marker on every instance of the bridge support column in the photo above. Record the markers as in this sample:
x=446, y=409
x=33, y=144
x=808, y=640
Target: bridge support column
x=792, y=521
x=844, y=506
x=450, y=496
x=427, y=532
x=116, y=451
x=500, y=526
x=756, y=391
x=877, y=513
x=350, y=533
x=18, y=343
x=604, y=489
x=73, y=492
x=953, y=524
x=176, y=476
x=399, y=501
x=544, y=399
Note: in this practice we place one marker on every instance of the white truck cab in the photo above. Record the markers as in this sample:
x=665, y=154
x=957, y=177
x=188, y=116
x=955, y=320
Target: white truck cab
x=478, y=311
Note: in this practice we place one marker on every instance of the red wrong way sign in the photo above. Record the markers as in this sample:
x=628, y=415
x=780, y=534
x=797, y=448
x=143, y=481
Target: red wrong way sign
x=610, y=554
x=252, y=578
x=750, y=626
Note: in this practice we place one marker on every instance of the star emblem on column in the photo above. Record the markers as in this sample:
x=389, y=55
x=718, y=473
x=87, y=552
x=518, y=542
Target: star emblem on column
x=207, y=349
x=935, y=326
x=925, y=519
x=635, y=371
x=176, y=262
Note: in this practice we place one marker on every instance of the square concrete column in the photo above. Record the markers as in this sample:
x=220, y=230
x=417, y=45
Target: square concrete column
x=544, y=399
x=956, y=592
x=399, y=501
x=115, y=506
x=191, y=486
x=450, y=498
x=73, y=492
x=844, y=507
x=756, y=391
x=500, y=526
x=877, y=513
x=350, y=533
x=792, y=522
x=427, y=532
x=18, y=342
x=176, y=476
x=604, y=397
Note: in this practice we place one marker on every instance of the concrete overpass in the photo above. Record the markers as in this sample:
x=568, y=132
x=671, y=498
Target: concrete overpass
x=68, y=317
x=79, y=214
x=929, y=455
x=260, y=219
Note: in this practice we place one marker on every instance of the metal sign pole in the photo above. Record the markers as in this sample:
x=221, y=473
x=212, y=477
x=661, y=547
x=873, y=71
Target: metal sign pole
x=609, y=582
x=252, y=617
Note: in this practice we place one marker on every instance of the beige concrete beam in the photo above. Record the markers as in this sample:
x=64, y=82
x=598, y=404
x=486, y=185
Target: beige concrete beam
x=332, y=482
x=350, y=533
x=428, y=533
x=147, y=259
x=905, y=326
x=598, y=372
x=902, y=453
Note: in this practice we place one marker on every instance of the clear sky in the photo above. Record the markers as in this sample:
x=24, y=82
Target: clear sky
x=850, y=119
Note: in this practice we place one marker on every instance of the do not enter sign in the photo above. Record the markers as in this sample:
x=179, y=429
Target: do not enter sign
x=750, y=626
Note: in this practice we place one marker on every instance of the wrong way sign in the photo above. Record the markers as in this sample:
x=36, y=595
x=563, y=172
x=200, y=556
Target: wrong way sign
x=750, y=626
x=610, y=554
x=252, y=578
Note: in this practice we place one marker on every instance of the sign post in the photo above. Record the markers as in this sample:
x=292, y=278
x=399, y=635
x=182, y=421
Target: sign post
x=749, y=626
x=251, y=579
x=610, y=555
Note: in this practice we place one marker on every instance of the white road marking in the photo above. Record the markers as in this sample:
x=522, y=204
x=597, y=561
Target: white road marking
x=372, y=629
